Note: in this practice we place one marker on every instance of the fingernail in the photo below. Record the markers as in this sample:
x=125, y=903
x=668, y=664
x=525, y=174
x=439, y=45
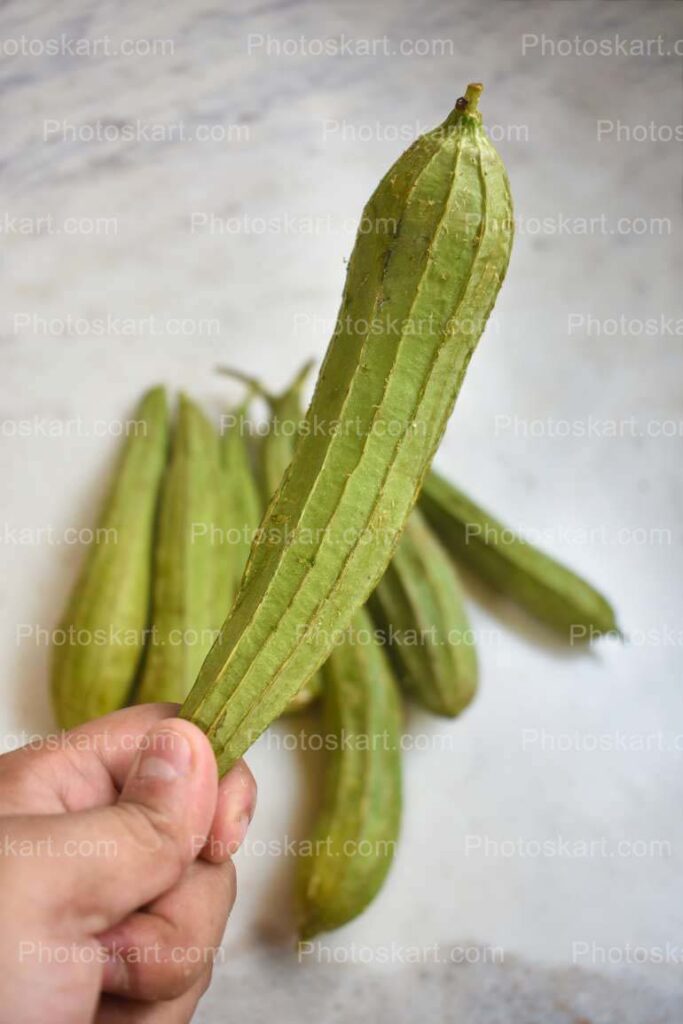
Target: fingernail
x=115, y=975
x=239, y=830
x=166, y=756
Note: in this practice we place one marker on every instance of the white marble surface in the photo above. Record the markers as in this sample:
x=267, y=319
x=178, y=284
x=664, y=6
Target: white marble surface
x=266, y=300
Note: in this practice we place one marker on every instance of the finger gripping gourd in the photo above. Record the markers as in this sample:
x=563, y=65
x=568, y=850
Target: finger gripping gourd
x=93, y=671
x=422, y=280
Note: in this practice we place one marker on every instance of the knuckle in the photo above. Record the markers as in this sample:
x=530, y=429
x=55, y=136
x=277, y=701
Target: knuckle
x=18, y=778
x=16, y=876
x=151, y=832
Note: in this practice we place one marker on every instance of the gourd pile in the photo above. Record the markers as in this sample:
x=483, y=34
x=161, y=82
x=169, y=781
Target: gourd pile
x=251, y=580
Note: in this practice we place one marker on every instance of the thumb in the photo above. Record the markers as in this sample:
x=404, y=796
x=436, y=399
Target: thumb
x=115, y=859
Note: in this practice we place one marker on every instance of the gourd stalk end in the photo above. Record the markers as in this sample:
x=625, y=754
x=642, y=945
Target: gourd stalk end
x=466, y=107
x=255, y=387
x=471, y=97
x=303, y=373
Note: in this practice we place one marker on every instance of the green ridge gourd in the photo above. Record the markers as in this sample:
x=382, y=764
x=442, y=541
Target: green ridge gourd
x=361, y=806
x=112, y=594
x=186, y=614
x=355, y=834
x=276, y=453
x=545, y=588
x=420, y=600
x=422, y=280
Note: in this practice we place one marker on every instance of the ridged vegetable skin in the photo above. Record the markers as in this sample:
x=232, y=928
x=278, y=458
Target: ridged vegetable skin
x=545, y=588
x=242, y=503
x=277, y=451
x=108, y=612
x=420, y=286
x=188, y=605
x=354, y=839
x=419, y=603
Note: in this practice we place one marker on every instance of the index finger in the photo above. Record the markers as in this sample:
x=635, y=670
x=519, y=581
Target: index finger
x=82, y=768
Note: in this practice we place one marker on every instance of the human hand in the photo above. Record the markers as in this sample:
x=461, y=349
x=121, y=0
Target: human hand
x=116, y=877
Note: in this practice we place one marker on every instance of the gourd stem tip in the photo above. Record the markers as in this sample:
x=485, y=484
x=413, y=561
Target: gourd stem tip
x=254, y=386
x=472, y=94
x=303, y=374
